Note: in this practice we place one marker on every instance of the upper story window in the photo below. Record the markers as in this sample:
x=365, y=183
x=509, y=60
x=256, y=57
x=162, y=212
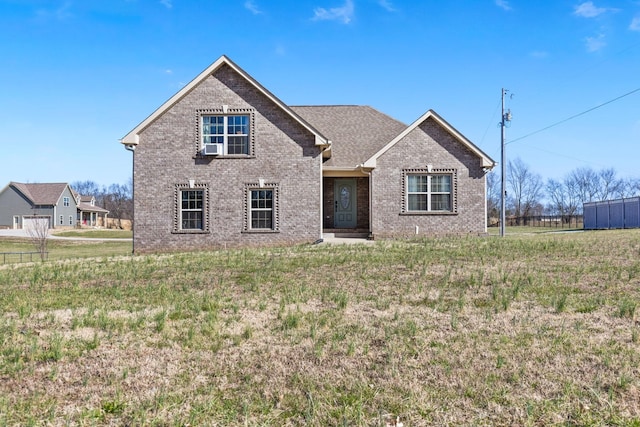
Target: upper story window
x=225, y=134
x=429, y=192
x=65, y=201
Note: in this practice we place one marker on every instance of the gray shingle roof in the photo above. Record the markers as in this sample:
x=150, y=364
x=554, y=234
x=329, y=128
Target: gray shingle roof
x=86, y=207
x=41, y=194
x=356, y=132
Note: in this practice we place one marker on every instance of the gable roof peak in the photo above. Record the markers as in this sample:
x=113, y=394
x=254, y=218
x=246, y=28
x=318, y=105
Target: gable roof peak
x=485, y=161
x=47, y=193
x=132, y=138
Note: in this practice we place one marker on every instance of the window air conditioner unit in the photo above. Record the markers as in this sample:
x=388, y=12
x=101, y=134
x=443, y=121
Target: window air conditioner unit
x=212, y=149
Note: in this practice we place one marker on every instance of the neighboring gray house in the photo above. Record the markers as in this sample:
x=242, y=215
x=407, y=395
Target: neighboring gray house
x=89, y=213
x=22, y=205
x=224, y=162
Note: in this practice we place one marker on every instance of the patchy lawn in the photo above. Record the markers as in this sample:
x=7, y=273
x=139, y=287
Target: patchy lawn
x=527, y=330
x=96, y=234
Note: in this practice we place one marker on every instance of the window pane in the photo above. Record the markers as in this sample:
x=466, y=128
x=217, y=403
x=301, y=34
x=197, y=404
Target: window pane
x=213, y=139
x=417, y=183
x=212, y=125
x=440, y=202
x=441, y=184
x=238, y=125
x=238, y=145
x=417, y=202
x=192, y=220
x=262, y=199
x=262, y=219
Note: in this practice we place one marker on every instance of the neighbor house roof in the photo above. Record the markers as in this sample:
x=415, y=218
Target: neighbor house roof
x=46, y=194
x=485, y=160
x=88, y=207
x=356, y=132
x=132, y=138
x=85, y=203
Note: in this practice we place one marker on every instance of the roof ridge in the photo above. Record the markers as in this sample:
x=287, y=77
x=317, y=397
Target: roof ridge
x=331, y=105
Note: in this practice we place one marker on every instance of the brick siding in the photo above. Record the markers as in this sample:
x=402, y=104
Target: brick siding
x=284, y=153
x=428, y=144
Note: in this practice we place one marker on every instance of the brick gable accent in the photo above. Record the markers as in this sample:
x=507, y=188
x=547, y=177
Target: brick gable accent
x=284, y=152
x=428, y=144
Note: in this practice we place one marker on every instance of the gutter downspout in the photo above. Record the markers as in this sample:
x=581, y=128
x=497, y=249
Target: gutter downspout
x=132, y=148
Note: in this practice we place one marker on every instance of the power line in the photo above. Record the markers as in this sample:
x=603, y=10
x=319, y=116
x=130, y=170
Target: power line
x=574, y=116
x=566, y=156
x=491, y=122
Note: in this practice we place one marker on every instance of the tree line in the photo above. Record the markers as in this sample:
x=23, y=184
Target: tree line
x=528, y=194
x=116, y=198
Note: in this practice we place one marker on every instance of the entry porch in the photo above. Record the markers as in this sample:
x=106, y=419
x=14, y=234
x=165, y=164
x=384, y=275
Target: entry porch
x=346, y=206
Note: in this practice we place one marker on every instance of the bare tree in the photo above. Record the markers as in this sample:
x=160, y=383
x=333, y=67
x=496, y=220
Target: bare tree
x=586, y=183
x=117, y=200
x=563, y=197
x=633, y=187
x=39, y=235
x=86, y=188
x=557, y=195
x=526, y=188
x=609, y=185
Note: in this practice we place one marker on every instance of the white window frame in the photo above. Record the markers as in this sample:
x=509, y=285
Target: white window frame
x=429, y=174
x=65, y=201
x=184, y=210
x=70, y=219
x=223, y=138
x=61, y=219
x=257, y=210
x=274, y=209
x=178, y=212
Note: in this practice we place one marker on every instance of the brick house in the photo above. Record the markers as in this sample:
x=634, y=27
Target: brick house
x=224, y=162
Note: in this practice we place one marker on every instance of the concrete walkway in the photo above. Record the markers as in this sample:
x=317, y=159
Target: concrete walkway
x=24, y=234
x=346, y=241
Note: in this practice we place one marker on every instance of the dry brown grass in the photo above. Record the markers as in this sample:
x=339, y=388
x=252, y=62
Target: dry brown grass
x=527, y=330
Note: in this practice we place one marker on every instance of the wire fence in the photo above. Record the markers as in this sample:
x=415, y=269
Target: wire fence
x=15, y=257
x=550, y=221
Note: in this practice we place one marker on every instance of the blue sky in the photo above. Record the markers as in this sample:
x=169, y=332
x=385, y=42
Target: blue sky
x=77, y=75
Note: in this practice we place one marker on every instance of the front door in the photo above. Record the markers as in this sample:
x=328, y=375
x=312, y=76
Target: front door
x=345, y=209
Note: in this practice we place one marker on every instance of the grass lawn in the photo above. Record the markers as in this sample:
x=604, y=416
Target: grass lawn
x=495, y=231
x=97, y=234
x=64, y=249
x=532, y=329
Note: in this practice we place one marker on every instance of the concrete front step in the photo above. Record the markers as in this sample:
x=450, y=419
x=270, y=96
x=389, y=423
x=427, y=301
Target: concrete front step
x=345, y=234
